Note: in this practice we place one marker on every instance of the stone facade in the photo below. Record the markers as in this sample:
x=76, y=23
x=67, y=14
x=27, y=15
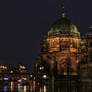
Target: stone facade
x=65, y=53
x=61, y=49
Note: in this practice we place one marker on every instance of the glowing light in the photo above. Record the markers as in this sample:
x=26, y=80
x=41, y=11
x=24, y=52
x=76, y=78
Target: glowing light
x=11, y=71
x=19, y=80
x=6, y=79
x=31, y=76
x=34, y=85
x=3, y=67
x=45, y=88
x=24, y=78
x=19, y=87
x=25, y=88
x=12, y=86
x=22, y=67
x=44, y=76
x=41, y=68
x=5, y=88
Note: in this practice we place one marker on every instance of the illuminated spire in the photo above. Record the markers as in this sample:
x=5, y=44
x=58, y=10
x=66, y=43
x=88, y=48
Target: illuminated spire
x=63, y=11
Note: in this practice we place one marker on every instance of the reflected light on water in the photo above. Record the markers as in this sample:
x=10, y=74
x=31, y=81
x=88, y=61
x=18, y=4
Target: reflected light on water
x=12, y=86
x=34, y=85
x=45, y=88
x=31, y=87
x=5, y=88
x=25, y=88
x=19, y=87
x=41, y=90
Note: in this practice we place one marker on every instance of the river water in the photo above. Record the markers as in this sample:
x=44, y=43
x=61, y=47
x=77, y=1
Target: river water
x=32, y=86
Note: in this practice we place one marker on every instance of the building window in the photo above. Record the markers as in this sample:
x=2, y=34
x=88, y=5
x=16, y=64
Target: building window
x=54, y=43
x=64, y=44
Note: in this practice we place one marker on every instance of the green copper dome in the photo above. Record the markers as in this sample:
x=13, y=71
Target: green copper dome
x=89, y=33
x=63, y=26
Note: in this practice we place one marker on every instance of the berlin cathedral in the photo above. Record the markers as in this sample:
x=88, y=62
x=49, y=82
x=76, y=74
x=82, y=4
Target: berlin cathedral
x=67, y=55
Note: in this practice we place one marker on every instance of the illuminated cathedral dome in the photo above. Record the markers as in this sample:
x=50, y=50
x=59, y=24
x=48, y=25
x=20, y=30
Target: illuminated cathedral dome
x=63, y=26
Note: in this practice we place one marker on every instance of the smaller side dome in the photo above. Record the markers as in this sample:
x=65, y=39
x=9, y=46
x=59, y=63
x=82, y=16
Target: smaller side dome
x=89, y=33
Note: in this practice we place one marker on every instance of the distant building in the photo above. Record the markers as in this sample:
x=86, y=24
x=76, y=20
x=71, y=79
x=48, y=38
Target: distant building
x=14, y=78
x=14, y=72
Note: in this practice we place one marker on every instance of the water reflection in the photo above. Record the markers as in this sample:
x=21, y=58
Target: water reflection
x=12, y=86
x=19, y=87
x=5, y=88
x=32, y=86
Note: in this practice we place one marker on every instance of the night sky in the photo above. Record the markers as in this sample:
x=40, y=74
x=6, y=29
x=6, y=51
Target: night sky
x=23, y=24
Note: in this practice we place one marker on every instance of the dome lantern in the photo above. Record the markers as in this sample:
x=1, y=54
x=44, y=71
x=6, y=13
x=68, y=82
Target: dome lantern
x=63, y=11
x=63, y=26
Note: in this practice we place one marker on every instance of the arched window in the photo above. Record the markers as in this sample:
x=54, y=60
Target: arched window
x=54, y=43
x=64, y=44
x=74, y=44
